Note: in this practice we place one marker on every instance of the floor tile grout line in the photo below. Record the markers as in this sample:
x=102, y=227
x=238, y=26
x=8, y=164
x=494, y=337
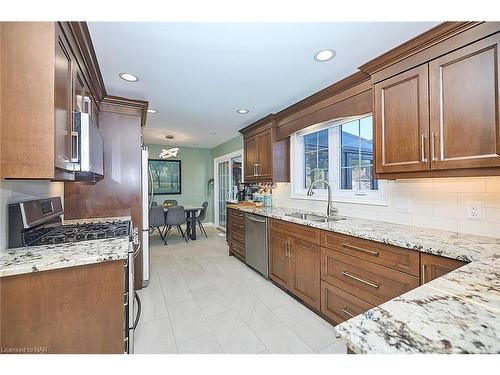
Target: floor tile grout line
x=168, y=314
x=213, y=268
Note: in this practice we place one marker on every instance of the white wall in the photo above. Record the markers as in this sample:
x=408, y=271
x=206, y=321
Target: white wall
x=17, y=191
x=434, y=203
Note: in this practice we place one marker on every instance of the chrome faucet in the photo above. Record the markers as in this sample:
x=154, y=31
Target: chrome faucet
x=330, y=210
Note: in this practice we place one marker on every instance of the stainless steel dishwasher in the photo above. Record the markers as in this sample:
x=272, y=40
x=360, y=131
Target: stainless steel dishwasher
x=257, y=253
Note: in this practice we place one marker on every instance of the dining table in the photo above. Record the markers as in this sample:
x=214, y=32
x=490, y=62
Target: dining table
x=191, y=212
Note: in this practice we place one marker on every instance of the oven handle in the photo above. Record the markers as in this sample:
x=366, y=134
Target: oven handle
x=139, y=309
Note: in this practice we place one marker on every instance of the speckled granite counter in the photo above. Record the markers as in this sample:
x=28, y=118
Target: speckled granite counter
x=464, y=247
x=48, y=257
x=457, y=313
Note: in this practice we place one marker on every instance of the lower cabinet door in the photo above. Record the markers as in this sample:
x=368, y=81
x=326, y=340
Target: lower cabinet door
x=278, y=258
x=339, y=305
x=434, y=266
x=305, y=271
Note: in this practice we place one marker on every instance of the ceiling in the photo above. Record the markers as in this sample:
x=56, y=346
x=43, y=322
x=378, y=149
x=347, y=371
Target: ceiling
x=198, y=74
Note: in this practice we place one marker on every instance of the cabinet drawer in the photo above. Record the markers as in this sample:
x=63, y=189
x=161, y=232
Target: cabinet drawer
x=237, y=233
x=296, y=230
x=387, y=255
x=234, y=213
x=369, y=281
x=339, y=305
x=238, y=249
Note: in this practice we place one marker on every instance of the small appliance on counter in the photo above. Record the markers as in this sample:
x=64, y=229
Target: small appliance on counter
x=249, y=192
x=38, y=222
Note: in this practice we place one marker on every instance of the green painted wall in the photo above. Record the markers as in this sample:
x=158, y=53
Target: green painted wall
x=197, y=169
x=232, y=145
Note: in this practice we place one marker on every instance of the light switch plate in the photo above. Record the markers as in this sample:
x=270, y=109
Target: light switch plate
x=403, y=205
x=474, y=210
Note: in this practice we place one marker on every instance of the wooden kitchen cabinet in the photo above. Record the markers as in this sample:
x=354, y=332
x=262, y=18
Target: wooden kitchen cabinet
x=433, y=266
x=339, y=305
x=258, y=152
x=63, y=102
x=250, y=157
x=236, y=233
x=304, y=282
x=294, y=264
x=441, y=118
x=42, y=65
x=279, y=267
x=402, y=122
x=265, y=158
x=70, y=310
x=464, y=107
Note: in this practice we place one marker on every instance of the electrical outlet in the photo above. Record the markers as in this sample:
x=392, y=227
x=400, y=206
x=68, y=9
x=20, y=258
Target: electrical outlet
x=474, y=210
x=403, y=205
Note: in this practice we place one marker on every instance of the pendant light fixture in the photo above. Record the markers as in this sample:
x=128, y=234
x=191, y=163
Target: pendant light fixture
x=169, y=152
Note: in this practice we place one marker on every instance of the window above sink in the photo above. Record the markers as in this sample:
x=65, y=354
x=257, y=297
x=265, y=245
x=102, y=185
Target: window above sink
x=340, y=152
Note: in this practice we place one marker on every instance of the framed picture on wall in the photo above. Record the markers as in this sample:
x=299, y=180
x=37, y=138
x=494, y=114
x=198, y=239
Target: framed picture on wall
x=166, y=176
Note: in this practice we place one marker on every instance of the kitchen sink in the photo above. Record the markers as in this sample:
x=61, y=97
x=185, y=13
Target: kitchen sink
x=314, y=217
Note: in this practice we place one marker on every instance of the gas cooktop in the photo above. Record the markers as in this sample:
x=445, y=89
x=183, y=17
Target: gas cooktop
x=77, y=232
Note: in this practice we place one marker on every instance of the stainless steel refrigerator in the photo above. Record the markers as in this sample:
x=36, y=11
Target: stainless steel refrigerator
x=147, y=198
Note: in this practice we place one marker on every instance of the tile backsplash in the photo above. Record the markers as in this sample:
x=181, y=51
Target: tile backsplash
x=12, y=191
x=433, y=203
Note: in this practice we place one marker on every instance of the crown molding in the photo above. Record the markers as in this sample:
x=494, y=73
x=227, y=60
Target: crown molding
x=128, y=106
x=334, y=89
x=417, y=44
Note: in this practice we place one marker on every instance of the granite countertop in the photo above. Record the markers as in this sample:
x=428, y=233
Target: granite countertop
x=456, y=313
x=49, y=257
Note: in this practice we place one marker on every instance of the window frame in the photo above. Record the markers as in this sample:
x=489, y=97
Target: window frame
x=297, y=168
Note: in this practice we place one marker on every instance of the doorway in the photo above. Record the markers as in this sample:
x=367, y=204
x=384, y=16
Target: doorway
x=228, y=172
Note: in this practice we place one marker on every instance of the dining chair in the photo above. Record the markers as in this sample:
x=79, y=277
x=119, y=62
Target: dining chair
x=154, y=203
x=201, y=216
x=174, y=219
x=157, y=221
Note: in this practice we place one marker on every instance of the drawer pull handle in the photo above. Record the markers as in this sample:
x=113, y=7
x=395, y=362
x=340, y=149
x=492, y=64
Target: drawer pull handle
x=347, y=312
x=360, y=279
x=371, y=252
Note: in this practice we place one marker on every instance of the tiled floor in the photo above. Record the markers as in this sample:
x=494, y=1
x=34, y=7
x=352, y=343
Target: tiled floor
x=200, y=300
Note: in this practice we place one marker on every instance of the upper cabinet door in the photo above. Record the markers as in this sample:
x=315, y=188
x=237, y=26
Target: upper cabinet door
x=250, y=153
x=63, y=78
x=265, y=156
x=464, y=105
x=402, y=122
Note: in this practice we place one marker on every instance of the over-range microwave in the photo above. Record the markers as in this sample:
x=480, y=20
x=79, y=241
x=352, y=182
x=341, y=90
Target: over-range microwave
x=87, y=148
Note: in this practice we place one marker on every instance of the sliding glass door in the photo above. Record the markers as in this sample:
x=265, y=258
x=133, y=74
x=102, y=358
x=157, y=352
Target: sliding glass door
x=228, y=169
x=223, y=190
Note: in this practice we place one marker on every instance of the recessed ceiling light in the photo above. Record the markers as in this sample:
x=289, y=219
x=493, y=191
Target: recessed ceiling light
x=242, y=111
x=151, y=110
x=129, y=77
x=324, y=55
